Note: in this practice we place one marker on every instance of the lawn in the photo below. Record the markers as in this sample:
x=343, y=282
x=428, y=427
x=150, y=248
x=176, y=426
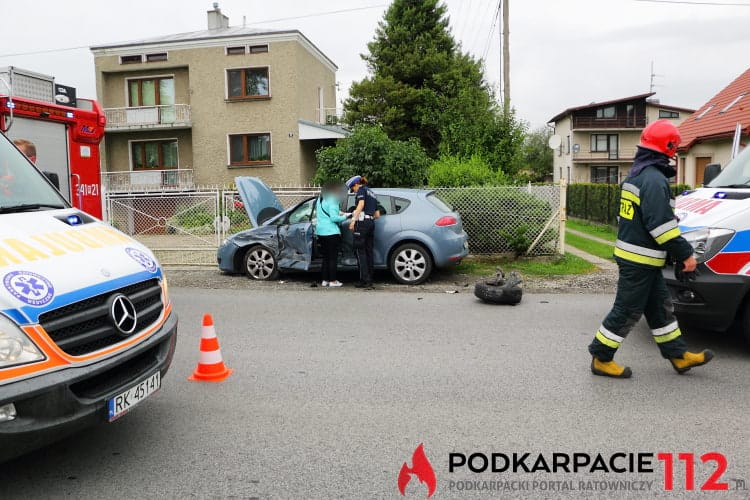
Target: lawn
x=536, y=266
x=589, y=246
x=602, y=231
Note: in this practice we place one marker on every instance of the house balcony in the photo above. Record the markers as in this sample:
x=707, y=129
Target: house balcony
x=148, y=180
x=593, y=123
x=172, y=116
x=328, y=116
x=619, y=155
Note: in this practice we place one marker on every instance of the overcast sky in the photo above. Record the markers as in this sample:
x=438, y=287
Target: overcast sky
x=563, y=53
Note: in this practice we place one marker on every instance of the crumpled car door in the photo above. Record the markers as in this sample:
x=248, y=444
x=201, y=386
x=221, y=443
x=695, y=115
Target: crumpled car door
x=296, y=244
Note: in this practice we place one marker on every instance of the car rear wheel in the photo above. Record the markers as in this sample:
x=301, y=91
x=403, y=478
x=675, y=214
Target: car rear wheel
x=411, y=264
x=260, y=264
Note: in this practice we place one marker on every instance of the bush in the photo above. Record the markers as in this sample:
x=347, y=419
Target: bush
x=600, y=202
x=368, y=151
x=452, y=171
x=493, y=218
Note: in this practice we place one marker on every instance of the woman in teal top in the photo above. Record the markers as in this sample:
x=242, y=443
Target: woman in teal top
x=328, y=231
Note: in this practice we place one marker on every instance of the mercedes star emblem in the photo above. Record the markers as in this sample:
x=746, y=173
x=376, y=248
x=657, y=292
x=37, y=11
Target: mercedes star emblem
x=122, y=313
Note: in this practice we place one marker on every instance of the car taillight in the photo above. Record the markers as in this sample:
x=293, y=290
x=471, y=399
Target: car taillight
x=447, y=220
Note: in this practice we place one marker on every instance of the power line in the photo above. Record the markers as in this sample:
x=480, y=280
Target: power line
x=690, y=2
x=268, y=21
x=492, y=29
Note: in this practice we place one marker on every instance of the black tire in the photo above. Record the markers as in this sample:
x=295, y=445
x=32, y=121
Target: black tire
x=745, y=323
x=490, y=291
x=410, y=264
x=260, y=264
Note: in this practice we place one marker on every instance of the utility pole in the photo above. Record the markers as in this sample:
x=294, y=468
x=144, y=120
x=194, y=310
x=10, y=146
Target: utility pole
x=506, y=56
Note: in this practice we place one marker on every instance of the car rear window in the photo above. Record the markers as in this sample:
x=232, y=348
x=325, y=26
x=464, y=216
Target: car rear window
x=399, y=204
x=440, y=204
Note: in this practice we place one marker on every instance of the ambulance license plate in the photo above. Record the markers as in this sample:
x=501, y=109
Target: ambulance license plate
x=123, y=402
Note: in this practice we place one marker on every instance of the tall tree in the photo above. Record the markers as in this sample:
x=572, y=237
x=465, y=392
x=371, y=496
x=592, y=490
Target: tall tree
x=422, y=86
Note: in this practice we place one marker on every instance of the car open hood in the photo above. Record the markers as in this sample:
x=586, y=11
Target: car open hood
x=702, y=208
x=260, y=202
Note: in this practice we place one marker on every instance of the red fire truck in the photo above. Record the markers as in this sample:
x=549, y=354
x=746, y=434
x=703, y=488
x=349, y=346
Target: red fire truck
x=66, y=131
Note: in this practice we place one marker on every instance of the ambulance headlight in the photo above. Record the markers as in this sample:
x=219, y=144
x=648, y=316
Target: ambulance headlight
x=708, y=241
x=15, y=346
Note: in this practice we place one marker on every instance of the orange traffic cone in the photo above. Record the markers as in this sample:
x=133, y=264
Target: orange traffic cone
x=210, y=365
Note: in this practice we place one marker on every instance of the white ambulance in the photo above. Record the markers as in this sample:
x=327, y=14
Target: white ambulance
x=716, y=220
x=86, y=326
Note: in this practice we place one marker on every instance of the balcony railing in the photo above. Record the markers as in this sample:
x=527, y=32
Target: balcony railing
x=328, y=116
x=603, y=123
x=622, y=154
x=148, y=180
x=168, y=116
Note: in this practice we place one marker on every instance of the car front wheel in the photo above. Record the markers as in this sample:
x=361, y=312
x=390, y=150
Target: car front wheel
x=260, y=264
x=411, y=264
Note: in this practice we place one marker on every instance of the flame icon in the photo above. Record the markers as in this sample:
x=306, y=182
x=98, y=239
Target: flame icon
x=421, y=468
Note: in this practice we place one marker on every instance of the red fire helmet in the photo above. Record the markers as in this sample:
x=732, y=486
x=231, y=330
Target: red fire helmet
x=661, y=136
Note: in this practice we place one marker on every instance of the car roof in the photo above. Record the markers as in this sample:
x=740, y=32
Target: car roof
x=402, y=191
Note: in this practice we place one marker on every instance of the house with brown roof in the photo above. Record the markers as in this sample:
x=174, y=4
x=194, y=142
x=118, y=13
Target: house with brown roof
x=202, y=107
x=598, y=140
x=708, y=133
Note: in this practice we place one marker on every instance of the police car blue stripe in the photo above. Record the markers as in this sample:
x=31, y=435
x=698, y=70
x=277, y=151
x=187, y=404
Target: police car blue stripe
x=739, y=243
x=28, y=315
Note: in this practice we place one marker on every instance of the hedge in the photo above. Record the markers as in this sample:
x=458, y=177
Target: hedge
x=600, y=202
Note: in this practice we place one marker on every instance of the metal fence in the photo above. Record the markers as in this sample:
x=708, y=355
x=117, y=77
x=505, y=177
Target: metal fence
x=186, y=227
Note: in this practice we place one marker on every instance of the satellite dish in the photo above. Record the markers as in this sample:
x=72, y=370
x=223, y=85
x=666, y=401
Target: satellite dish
x=554, y=141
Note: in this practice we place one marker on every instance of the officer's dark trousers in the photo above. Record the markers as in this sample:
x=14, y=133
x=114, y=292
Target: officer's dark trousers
x=640, y=291
x=364, y=239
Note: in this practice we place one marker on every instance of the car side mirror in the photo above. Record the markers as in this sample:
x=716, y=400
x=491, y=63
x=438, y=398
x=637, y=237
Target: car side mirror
x=53, y=178
x=712, y=170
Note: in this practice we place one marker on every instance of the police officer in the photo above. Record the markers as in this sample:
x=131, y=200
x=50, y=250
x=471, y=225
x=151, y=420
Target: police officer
x=647, y=231
x=363, y=228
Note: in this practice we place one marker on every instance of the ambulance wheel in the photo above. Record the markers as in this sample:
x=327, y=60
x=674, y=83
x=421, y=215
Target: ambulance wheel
x=411, y=264
x=745, y=323
x=260, y=264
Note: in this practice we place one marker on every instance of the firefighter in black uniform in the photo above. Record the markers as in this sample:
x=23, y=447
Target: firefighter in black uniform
x=647, y=232
x=363, y=228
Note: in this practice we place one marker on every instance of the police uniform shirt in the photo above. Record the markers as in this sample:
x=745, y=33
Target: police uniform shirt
x=371, y=201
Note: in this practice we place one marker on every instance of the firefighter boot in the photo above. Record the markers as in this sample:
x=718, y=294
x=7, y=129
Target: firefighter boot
x=609, y=369
x=690, y=360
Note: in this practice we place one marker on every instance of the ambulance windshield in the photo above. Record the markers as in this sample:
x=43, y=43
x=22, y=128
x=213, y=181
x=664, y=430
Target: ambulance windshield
x=22, y=187
x=736, y=174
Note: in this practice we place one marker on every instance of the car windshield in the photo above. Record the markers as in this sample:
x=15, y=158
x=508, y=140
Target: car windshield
x=22, y=187
x=736, y=174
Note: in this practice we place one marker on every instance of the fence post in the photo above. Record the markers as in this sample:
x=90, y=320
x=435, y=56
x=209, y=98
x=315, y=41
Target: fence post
x=563, y=216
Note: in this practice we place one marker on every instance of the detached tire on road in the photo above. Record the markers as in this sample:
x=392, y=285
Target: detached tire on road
x=410, y=264
x=260, y=264
x=498, y=292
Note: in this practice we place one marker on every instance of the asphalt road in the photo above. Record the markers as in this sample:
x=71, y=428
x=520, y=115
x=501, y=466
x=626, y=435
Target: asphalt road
x=333, y=390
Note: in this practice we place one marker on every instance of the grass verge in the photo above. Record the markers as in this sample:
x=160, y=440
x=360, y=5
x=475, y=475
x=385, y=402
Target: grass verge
x=536, y=266
x=589, y=246
x=602, y=231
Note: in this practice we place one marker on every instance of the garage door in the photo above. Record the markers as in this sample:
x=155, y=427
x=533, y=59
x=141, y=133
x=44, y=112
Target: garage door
x=51, y=141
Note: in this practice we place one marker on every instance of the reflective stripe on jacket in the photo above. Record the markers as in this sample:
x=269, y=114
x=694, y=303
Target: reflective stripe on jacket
x=647, y=228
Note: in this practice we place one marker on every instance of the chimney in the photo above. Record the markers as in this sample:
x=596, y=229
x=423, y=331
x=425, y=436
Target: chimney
x=217, y=20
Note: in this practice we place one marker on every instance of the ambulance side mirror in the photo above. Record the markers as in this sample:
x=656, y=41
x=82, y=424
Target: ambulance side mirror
x=53, y=178
x=710, y=173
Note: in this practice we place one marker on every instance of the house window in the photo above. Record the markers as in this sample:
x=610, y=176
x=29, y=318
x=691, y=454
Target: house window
x=151, y=92
x=156, y=155
x=608, y=112
x=247, y=83
x=703, y=113
x=131, y=59
x=601, y=143
x=250, y=149
x=734, y=101
x=605, y=175
x=160, y=56
x=567, y=146
x=258, y=49
x=669, y=114
x=234, y=51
